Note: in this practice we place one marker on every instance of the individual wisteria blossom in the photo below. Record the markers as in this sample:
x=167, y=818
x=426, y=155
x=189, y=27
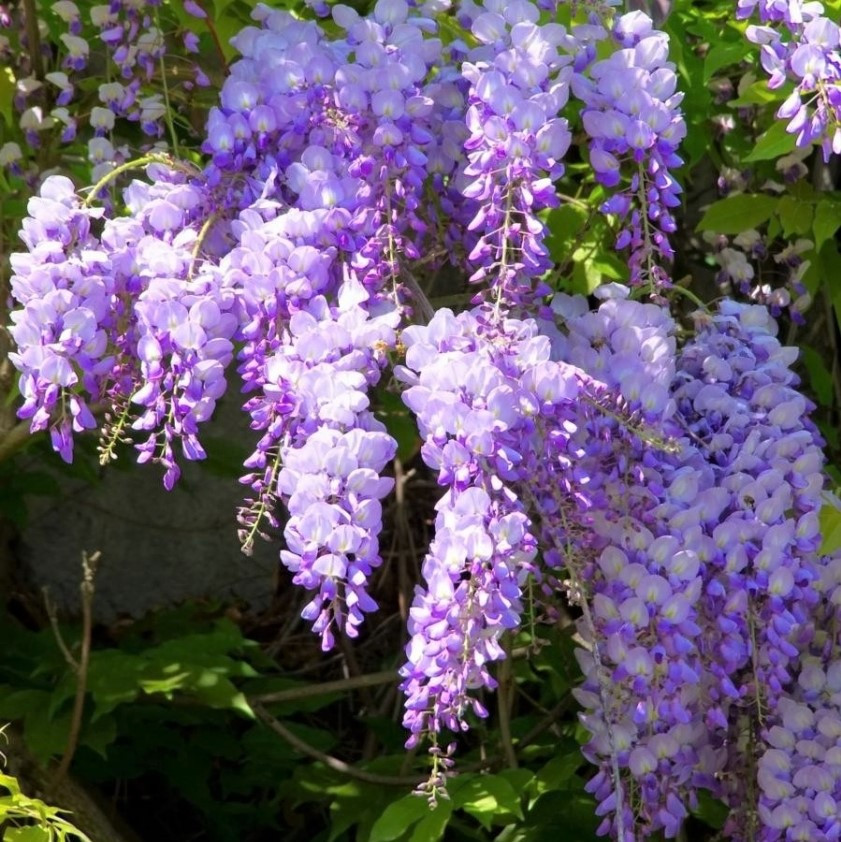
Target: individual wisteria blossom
x=632, y=115
x=11, y=156
x=69, y=13
x=798, y=42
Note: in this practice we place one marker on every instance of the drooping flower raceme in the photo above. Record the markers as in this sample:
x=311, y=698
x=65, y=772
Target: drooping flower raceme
x=61, y=330
x=476, y=387
x=616, y=506
x=519, y=83
x=463, y=386
x=182, y=319
x=314, y=408
x=737, y=395
x=632, y=115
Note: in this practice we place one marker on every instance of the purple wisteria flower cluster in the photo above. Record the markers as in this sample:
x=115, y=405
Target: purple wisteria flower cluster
x=738, y=259
x=695, y=560
x=519, y=83
x=666, y=492
x=135, y=88
x=632, y=115
x=799, y=43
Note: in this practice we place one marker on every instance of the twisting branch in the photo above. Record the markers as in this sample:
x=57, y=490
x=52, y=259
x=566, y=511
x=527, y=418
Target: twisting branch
x=13, y=440
x=505, y=698
x=52, y=614
x=324, y=688
x=89, y=567
x=332, y=762
x=30, y=15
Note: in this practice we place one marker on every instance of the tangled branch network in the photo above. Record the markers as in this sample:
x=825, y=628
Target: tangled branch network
x=669, y=491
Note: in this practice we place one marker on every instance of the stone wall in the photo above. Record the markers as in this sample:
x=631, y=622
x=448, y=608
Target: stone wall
x=158, y=548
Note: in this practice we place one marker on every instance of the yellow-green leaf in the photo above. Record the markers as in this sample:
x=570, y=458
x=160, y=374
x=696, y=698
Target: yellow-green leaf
x=774, y=143
x=827, y=221
x=7, y=95
x=795, y=215
x=830, y=528
x=738, y=213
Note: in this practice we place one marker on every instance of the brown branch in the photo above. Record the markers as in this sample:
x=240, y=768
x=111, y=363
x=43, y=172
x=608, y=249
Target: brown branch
x=328, y=760
x=211, y=28
x=14, y=440
x=550, y=719
x=52, y=615
x=310, y=691
x=30, y=14
x=89, y=565
x=505, y=698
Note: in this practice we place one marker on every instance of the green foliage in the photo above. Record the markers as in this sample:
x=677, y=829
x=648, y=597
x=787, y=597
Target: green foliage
x=25, y=819
x=831, y=527
x=37, y=686
x=738, y=213
x=772, y=144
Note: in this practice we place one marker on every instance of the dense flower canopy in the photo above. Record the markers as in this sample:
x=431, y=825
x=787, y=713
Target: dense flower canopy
x=667, y=488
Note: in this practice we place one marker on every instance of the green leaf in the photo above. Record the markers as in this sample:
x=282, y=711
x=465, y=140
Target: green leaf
x=398, y=817
x=561, y=814
x=564, y=224
x=826, y=222
x=723, y=55
x=34, y=833
x=97, y=736
x=738, y=213
x=363, y=810
x=431, y=828
x=485, y=796
x=7, y=95
x=756, y=93
x=795, y=215
x=558, y=772
x=46, y=736
x=820, y=377
x=113, y=679
x=773, y=144
x=220, y=7
x=400, y=423
x=520, y=779
x=10, y=784
x=710, y=810
x=15, y=704
x=830, y=519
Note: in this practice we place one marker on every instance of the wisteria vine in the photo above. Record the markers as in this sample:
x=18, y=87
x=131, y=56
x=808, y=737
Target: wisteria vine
x=667, y=490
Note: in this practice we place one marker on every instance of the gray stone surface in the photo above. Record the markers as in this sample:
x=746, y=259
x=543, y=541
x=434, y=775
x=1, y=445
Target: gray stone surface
x=158, y=548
